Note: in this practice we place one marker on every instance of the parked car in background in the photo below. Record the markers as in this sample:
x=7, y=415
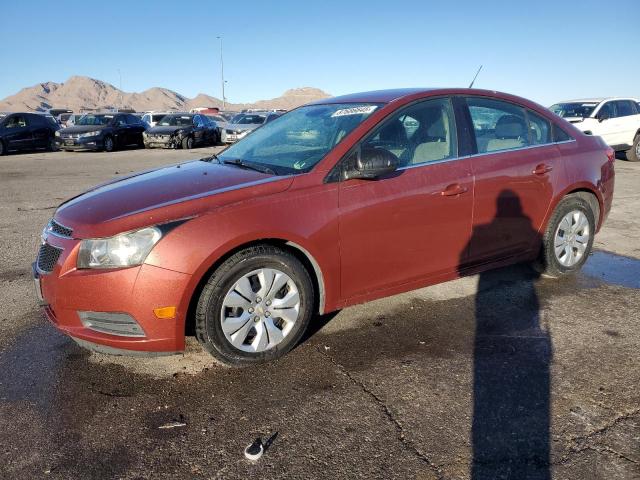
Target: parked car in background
x=616, y=120
x=181, y=130
x=245, y=247
x=152, y=118
x=63, y=118
x=228, y=115
x=102, y=131
x=27, y=131
x=244, y=123
x=73, y=119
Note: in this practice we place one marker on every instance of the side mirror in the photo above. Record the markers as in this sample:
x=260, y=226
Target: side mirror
x=372, y=163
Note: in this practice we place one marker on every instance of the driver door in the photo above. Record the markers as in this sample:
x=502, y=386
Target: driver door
x=415, y=223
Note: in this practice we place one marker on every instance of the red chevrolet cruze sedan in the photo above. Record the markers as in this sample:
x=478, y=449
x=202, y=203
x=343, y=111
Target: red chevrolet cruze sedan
x=335, y=203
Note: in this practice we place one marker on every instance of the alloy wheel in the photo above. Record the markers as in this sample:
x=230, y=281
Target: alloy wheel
x=260, y=310
x=572, y=238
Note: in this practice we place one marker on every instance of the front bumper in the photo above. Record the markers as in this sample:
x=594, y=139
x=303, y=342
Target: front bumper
x=162, y=141
x=86, y=143
x=67, y=292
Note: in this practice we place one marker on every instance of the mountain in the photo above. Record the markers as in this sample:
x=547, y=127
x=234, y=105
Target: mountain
x=84, y=93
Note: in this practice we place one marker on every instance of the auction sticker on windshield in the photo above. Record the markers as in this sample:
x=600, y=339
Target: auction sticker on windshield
x=354, y=111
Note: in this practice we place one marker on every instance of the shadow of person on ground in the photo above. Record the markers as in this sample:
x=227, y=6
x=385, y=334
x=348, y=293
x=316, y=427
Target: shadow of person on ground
x=511, y=358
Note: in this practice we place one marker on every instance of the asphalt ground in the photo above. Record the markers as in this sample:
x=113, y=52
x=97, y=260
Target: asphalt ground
x=501, y=375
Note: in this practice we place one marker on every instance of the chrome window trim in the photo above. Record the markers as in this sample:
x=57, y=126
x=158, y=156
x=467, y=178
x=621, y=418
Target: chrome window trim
x=445, y=160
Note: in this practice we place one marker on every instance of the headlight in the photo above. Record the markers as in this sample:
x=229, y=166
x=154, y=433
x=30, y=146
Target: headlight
x=57, y=134
x=90, y=134
x=124, y=250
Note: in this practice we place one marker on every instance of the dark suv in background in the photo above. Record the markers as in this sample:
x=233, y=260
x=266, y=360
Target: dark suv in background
x=103, y=131
x=27, y=131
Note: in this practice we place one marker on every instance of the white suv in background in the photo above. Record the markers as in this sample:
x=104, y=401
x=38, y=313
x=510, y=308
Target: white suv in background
x=616, y=120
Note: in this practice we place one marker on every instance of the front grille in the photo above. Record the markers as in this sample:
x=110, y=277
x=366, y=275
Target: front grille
x=59, y=229
x=48, y=257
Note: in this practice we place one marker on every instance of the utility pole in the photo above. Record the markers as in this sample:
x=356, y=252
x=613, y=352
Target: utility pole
x=120, y=75
x=224, y=100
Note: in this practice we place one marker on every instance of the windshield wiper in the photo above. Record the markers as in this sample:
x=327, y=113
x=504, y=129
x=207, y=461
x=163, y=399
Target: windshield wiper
x=248, y=165
x=210, y=158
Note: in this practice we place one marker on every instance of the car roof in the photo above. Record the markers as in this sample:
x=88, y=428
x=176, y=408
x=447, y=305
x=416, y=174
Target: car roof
x=392, y=95
x=597, y=99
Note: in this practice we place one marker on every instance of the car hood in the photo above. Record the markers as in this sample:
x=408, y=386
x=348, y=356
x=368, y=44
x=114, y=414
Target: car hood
x=83, y=128
x=162, y=195
x=166, y=130
x=243, y=126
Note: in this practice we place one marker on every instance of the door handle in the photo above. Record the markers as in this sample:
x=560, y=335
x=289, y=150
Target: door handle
x=453, y=189
x=542, y=169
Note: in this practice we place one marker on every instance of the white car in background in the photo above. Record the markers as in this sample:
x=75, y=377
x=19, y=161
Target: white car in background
x=616, y=120
x=152, y=118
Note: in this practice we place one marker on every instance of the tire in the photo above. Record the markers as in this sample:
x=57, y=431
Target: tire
x=187, y=143
x=51, y=146
x=221, y=283
x=549, y=263
x=633, y=154
x=109, y=144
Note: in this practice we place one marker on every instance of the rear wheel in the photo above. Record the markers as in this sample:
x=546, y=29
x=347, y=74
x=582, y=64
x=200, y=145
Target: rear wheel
x=255, y=307
x=633, y=154
x=568, y=239
x=187, y=143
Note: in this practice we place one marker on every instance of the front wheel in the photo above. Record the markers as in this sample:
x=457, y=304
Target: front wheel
x=255, y=307
x=108, y=144
x=633, y=154
x=568, y=239
x=187, y=143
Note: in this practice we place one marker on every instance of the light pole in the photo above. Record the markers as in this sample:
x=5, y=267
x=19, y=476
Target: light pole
x=224, y=100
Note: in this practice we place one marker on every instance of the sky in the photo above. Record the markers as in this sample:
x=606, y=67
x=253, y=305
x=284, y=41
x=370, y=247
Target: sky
x=544, y=50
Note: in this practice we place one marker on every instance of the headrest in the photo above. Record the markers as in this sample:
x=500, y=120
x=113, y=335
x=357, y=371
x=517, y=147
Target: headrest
x=510, y=126
x=394, y=132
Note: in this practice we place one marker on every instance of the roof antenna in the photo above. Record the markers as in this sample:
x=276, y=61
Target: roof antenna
x=474, y=78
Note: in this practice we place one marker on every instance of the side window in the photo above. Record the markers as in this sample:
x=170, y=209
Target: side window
x=608, y=110
x=17, y=121
x=497, y=125
x=539, y=129
x=560, y=135
x=625, y=108
x=422, y=133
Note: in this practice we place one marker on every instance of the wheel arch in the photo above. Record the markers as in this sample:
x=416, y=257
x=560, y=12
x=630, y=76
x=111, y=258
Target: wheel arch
x=301, y=253
x=587, y=193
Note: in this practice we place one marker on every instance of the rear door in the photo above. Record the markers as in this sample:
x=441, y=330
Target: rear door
x=413, y=224
x=515, y=170
x=629, y=120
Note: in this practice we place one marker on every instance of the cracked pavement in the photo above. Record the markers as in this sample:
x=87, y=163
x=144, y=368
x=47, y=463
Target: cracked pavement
x=503, y=375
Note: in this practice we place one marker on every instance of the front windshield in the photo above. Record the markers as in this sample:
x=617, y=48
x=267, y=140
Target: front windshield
x=176, y=121
x=94, y=120
x=246, y=119
x=298, y=140
x=574, y=109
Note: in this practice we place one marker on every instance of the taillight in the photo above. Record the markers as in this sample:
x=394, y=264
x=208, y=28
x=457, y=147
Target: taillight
x=611, y=155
